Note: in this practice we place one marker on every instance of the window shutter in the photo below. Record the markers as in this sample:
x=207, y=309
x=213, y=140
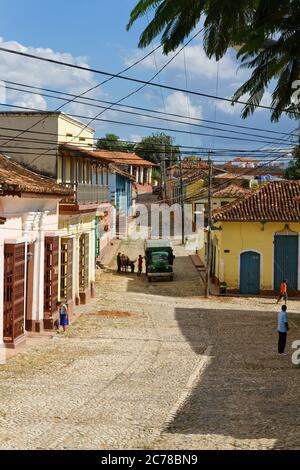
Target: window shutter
x=14, y=291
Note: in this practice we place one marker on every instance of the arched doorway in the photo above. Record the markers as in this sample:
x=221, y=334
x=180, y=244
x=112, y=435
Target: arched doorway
x=250, y=273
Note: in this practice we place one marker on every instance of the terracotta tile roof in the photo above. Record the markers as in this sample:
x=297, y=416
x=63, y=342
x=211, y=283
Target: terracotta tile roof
x=120, y=171
x=232, y=176
x=274, y=201
x=233, y=191
x=16, y=178
x=244, y=160
x=189, y=165
x=121, y=158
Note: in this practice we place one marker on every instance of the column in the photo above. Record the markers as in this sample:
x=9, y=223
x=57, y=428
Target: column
x=131, y=170
x=149, y=175
x=76, y=269
x=141, y=175
x=137, y=175
x=92, y=260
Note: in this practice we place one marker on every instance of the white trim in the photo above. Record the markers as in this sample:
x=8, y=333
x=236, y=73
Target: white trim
x=15, y=241
x=260, y=266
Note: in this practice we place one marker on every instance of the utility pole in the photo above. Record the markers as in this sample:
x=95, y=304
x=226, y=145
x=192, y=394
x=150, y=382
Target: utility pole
x=181, y=201
x=164, y=175
x=209, y=227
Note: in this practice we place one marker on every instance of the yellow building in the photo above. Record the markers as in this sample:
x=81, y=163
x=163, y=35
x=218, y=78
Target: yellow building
x=255, y=241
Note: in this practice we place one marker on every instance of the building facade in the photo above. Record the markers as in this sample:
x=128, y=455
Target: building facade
x=255, y=241
x=29, y=251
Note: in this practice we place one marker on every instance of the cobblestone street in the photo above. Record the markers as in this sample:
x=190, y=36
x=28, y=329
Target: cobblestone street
x=156, y=366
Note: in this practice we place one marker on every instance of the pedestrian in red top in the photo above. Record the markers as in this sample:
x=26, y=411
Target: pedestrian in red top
x=282, y=291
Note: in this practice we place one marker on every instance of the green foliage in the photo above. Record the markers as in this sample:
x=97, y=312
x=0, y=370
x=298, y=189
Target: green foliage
x=252, y=24
x=293, y=170
x=112, y=142
x=154, y=147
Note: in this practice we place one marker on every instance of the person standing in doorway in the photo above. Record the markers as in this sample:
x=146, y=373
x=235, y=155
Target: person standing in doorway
x=282, y=292
x=283, y=328
x=63, y=315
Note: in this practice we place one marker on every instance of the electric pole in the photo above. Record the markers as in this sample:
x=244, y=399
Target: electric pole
x=164, y=175
x=181, y=201
x=209, y=227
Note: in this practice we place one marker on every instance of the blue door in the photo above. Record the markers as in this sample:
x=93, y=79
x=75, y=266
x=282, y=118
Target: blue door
x=286, y=261
x=250, y=273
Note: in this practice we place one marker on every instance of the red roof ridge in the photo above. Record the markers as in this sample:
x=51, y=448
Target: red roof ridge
x=273, y=201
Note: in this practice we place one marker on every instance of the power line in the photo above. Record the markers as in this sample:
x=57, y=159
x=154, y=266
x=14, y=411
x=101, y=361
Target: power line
x=97, y=86
x=136, y=80
x=164, y=119
x=136, y=90
x=144, y=126
x=201, y=150
x=92, y=100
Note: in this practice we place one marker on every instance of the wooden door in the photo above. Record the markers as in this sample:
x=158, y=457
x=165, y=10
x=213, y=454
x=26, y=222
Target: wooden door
x=50, y=279
x=250, y=273
x=286, y=261
x=14, y=291
x=66, y=269
x=84, y=262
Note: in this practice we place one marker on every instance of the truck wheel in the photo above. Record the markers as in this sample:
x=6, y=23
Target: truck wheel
x=149, y=279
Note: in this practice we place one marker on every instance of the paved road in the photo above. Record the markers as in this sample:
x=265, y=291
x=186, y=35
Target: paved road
x=154, y=366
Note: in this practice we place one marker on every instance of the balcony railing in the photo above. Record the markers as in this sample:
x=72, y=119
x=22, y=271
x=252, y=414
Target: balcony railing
x=91, y=193
x=88, y=193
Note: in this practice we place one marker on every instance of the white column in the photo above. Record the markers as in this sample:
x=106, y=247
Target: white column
x=92, y=254
x=141, y=175
x=75, y=283
x=131, y=169
x=149, y=175
x=38, y=273
x=137, y=175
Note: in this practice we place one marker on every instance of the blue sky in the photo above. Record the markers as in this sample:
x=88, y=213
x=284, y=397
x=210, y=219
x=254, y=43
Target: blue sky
x=94, y=33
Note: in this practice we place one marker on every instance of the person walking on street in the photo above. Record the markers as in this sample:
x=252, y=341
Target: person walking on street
x=119, y=262
x=63, y=315
x=140, y=265
x=282, y=292
x=283, y=328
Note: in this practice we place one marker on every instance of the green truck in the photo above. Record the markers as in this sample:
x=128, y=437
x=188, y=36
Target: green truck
x=159, y=259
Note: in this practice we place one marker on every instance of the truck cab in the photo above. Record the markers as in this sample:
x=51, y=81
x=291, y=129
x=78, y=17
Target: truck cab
x=159, y=259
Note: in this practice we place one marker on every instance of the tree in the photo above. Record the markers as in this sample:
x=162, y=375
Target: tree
x=252, y=24
x=156, y=147
x=293, y=170
x=113, y=143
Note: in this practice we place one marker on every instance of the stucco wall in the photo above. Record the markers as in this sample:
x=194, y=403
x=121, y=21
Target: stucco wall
x=40, y=139
x=237, y=237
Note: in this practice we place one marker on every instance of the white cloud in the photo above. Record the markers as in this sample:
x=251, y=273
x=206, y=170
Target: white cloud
x=197, y=63
x=31, y=101
x=135, y=138
x=42, y=74
x=227, y=108
x=180, y=103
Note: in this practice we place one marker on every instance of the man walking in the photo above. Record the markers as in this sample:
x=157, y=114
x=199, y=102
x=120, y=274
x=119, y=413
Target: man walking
x=283, y=328
x=119, y=262
x=283, y=291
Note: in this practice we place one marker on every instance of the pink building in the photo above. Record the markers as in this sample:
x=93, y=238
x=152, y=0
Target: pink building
x=28, y=251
